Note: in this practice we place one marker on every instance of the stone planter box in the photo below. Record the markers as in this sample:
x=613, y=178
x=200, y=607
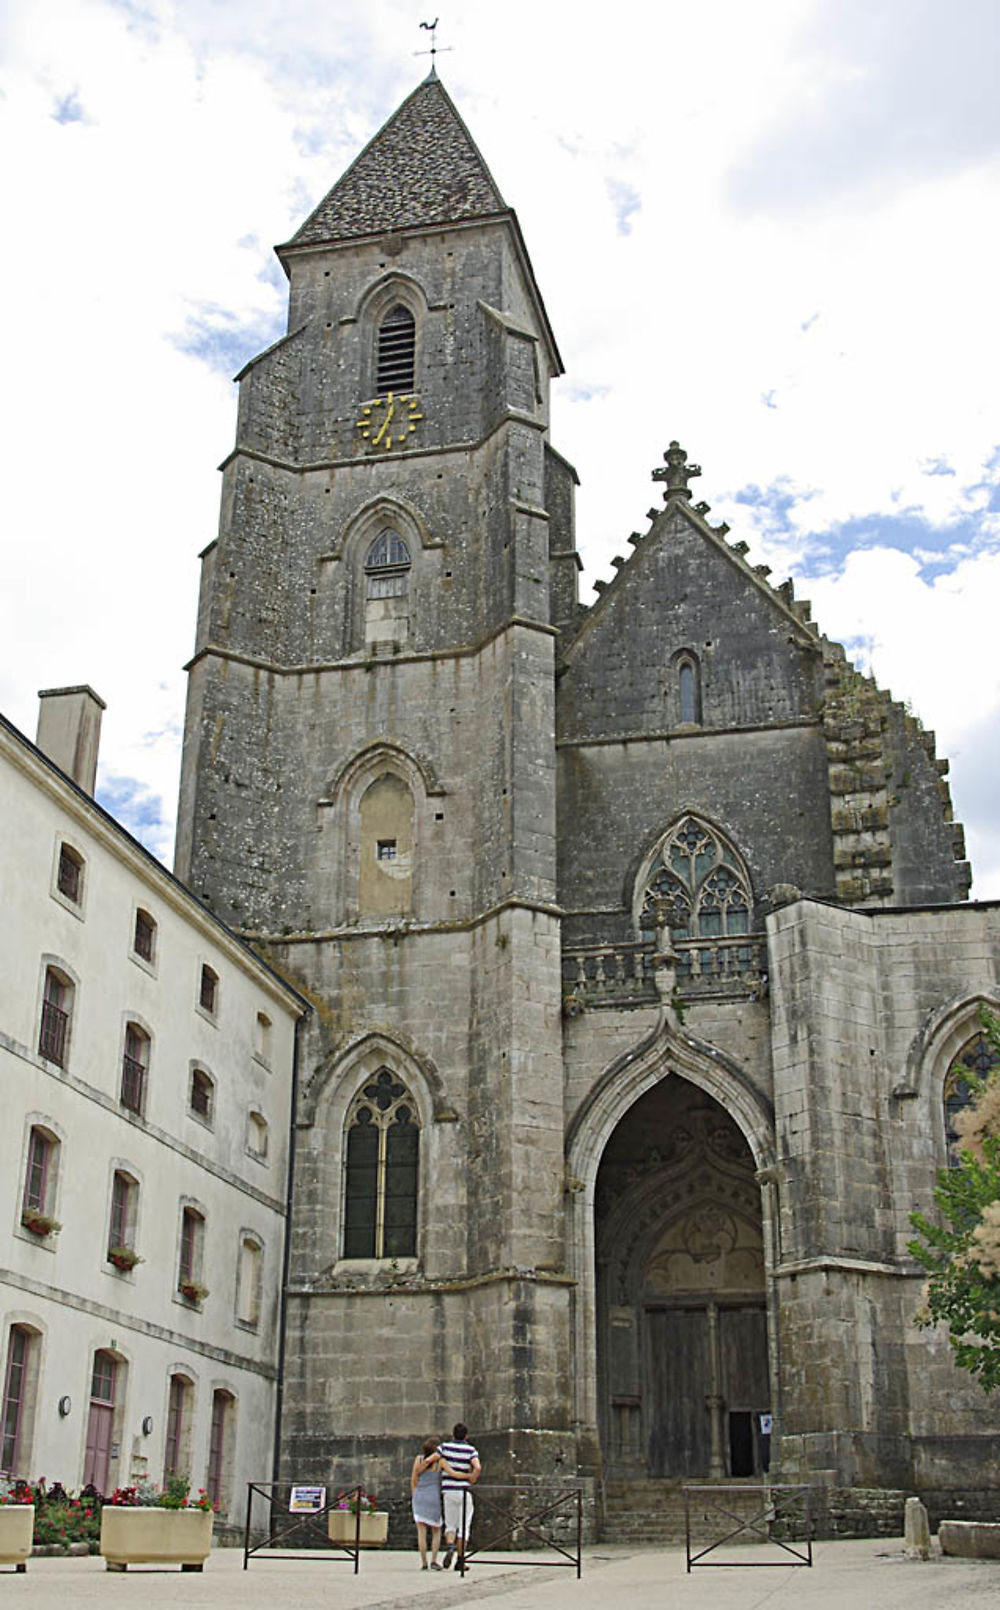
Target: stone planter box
x=17, y=1522
x=341, y=1528
x=971, y=1540
x=155, y=1537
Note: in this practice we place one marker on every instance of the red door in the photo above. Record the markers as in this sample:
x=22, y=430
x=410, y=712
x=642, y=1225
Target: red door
x=100, y=1422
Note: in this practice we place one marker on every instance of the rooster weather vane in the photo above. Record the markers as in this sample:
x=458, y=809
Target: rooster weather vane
x=432, y=30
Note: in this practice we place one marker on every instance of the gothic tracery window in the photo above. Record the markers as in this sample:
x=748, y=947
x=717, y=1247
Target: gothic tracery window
x=703, y=883
x=978, y=1058
x=382, y=1162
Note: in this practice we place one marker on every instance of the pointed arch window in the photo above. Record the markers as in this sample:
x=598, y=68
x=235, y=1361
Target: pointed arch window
x=977, y=1059
x=387, y=566
x=396, y=350
x=382, y=1168
x=705, y=887
x=689, y=690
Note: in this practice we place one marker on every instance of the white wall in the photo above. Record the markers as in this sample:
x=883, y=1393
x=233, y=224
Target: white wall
x=63, y=1285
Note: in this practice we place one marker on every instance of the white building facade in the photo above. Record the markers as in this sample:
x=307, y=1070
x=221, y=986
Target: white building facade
x=148, y=1065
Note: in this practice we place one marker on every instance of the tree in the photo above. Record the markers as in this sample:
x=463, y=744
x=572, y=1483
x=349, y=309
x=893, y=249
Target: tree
x=961, y=1254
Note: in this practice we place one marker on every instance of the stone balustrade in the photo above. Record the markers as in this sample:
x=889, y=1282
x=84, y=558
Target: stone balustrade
x=623, y=974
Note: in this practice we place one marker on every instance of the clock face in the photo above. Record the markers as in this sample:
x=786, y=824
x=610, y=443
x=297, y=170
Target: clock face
x=389, y=422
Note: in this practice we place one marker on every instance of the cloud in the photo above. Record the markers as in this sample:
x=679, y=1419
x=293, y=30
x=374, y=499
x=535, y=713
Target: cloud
x=219, y=339
x=141, y=812
x=68, y=109
x=626, y=200
x=882, y=98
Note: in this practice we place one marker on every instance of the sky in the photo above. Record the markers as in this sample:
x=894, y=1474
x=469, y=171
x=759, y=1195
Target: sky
x=770, y=231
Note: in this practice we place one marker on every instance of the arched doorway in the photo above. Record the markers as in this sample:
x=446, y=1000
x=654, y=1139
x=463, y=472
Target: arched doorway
x=683, y=1377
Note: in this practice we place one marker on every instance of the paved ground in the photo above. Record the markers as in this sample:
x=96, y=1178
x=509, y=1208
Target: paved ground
x=844, y=1576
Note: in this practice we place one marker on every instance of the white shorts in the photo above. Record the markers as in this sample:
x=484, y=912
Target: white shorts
x=453, y=1511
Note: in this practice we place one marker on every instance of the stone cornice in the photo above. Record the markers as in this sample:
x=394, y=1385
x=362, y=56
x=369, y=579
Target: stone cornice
x=682, y=734
x=430, y=1287
x=405, y=929
x=370, y=661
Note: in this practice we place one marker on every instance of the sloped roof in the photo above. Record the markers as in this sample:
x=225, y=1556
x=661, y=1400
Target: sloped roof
x=421, y=168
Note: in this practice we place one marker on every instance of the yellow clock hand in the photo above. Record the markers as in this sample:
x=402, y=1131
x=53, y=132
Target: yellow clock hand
x=386, y=421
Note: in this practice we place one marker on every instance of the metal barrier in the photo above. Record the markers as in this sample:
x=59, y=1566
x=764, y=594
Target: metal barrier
x=779, y=1508
x=308, y=1529
x=516, y=1517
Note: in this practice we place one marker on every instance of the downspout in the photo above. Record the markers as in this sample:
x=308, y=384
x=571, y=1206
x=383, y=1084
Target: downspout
x=279, y=1394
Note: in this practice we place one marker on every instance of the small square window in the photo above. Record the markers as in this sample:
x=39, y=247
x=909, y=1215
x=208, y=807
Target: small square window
x=386, y=850
x=69, y=878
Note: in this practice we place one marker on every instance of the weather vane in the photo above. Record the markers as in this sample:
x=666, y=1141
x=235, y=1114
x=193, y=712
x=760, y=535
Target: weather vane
x=432, y=30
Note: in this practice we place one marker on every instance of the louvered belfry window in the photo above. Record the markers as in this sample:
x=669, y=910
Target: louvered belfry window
x=397, y=338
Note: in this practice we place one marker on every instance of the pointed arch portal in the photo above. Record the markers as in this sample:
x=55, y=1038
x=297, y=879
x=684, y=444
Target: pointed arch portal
x=682, y=1335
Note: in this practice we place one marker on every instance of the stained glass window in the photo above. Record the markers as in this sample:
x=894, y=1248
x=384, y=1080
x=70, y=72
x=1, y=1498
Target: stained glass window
x=977, y=1057
x=382, y=1167
x=700, y=877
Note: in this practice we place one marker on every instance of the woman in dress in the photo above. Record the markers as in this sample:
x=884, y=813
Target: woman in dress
x=425, y=1490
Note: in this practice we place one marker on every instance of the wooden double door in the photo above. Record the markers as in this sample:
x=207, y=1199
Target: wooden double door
x=706, y=1388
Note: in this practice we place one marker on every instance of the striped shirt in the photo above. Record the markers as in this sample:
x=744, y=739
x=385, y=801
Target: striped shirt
x=460, y=1456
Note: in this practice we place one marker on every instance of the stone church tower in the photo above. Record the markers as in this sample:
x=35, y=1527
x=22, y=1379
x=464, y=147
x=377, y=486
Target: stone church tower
x=633, y=932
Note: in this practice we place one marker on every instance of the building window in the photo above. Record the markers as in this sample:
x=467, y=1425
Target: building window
x=37, y=1173
x=69, y=877
x=202, y=1095
x=397, y=341
x=14, y=1453
x=208, y=994
x=176, y=1461
x=977, y=1059
x=100, y=1421
x=41, y=1170
x=121, y=1227
x=189, y=1281
x=382, y=1162
x=705, y=888
x=257, y=1135
x=135, y=1065
x=248, y=1281
x=385, y=850
x=262, y=1046
x=689, y=690
x=144, y=939
x=57, y=1008
x=220, y=1449
x=387, y=563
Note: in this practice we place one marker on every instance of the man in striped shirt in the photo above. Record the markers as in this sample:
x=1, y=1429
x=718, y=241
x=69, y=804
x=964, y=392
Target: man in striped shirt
x=460, y=1473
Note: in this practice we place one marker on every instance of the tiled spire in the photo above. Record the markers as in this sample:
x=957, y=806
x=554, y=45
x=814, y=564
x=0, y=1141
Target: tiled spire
x=421, y=168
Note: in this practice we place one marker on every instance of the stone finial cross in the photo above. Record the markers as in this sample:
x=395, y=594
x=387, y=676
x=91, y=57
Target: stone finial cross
x=677, y=473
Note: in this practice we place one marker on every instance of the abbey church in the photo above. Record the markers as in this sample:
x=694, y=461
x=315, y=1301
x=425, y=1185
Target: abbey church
x=636, y=934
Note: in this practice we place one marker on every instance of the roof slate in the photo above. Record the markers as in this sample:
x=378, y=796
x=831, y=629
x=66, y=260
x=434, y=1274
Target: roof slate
x=421, y=168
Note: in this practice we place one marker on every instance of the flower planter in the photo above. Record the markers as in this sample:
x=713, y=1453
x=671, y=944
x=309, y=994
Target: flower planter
x=17, y=1522
x=123, y=1258
x=147, y=1536
x=40, y=1224
x=341, y=1528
